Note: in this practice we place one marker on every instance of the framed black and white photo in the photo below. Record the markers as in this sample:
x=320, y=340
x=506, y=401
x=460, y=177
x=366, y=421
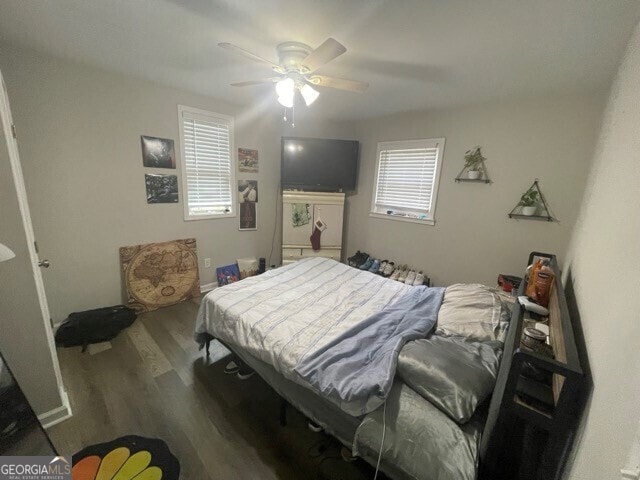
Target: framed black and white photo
x=248, y=216
x=248, y=191
x=161, y=188
x=158, y=152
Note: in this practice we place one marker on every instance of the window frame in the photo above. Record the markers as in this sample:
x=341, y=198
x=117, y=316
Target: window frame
x=229, y=120
x=407, y=215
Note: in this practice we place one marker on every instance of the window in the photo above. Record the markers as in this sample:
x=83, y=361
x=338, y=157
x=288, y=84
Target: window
x=407, y=175
x=208, y=169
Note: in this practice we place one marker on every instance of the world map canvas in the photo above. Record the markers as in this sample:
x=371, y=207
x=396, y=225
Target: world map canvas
x=157, y=275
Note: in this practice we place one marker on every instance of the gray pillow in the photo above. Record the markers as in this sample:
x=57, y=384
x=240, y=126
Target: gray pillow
x=454, y=374
x=473, y=311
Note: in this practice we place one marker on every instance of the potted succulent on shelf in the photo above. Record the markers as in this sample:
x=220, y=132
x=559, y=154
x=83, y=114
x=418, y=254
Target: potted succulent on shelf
x=473, y=162
x=529, y=201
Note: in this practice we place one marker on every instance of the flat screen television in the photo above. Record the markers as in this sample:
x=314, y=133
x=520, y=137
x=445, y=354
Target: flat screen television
x=319, y=164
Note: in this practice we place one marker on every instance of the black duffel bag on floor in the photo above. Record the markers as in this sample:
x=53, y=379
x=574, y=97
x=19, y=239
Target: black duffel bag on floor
x=94, y=326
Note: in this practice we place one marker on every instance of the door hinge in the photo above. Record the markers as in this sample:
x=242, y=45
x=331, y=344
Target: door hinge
x=13, y=130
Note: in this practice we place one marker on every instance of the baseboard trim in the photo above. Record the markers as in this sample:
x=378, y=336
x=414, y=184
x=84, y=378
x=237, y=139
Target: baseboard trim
x=57, y=415
x=208, y=287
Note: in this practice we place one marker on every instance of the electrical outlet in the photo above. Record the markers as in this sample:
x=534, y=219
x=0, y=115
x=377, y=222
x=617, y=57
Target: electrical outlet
x=207, y=263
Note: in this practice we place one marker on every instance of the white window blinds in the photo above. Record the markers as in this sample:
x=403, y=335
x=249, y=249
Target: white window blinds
x=207, y=140
x=407, y=178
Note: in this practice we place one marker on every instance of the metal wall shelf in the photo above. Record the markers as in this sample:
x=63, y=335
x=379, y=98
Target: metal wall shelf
x=484, y=175
x=473, y=180
x=546, y=218
x=546, y=214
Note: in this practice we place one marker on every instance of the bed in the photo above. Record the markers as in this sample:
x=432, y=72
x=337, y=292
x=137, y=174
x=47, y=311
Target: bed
x=364, y=356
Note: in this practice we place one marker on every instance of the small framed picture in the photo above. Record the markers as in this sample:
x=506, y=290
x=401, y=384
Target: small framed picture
x=247, y=191
x=228, y=274
x=247, y=160
x=158, y=152
x=248, y=267
x=248, y=216
x=161, y=188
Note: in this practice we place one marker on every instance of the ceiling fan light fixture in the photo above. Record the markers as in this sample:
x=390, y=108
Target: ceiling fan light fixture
x=285, y=87
x=309, y=94
x=297, y=66
x=286, y=90
x=286, y=101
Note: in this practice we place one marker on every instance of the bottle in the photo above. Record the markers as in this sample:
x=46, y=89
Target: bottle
x=543, y=283
x=533, y=274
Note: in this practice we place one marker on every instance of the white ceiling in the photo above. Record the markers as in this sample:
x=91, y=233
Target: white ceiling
x=415, y=54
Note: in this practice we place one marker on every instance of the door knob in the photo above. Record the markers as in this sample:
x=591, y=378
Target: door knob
x=44, y=263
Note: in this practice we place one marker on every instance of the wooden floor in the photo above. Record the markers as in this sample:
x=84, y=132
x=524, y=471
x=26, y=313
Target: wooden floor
x=154, y=382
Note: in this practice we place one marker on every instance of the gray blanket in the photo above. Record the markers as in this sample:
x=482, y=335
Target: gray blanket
x=356, y=369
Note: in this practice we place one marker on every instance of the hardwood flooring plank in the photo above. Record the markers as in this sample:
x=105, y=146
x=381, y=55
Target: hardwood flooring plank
x=177, y=357
x=96, y=348
x=151, y=354
x=178, y=326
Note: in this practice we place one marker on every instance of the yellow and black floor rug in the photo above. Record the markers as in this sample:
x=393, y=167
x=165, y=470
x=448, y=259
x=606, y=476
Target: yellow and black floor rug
x=126, y=458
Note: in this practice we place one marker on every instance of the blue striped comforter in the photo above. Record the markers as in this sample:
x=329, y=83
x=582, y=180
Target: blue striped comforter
x=296, y=317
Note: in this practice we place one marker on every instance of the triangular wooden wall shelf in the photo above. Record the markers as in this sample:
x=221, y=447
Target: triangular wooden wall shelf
x=544, y=215
x=484, y=178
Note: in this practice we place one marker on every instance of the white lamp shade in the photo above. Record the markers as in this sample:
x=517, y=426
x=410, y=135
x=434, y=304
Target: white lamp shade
x=286, y=101
x=286, y=89
x=6, y=253
x=309, y=94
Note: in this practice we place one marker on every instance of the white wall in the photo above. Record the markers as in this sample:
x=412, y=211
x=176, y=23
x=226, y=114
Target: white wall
x=473, y=240
x=603, y=266
x=79, y=136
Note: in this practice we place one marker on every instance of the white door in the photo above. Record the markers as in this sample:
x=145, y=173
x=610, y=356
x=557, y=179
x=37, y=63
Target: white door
x=28, y=263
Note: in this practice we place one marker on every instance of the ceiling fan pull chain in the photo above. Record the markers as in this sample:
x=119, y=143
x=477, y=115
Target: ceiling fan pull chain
x=284, y=118
x=293, y=116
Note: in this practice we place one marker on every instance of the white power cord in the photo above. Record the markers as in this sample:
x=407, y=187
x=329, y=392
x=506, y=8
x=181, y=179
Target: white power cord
x=275, y=225
x=384, y=432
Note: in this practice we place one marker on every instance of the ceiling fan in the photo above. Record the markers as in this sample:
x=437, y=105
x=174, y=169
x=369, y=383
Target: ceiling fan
x=297, y=68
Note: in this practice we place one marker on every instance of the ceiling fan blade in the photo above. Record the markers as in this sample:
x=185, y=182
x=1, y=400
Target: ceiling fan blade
x=322, y=55
x=248, y=83
x=246, y=53
x=339, y=83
